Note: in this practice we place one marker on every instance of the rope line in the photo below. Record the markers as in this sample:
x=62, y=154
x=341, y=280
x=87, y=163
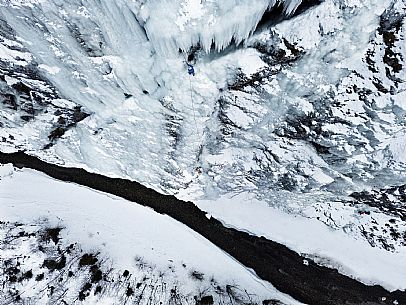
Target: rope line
x=198, y=168
x=191, y=97
x=193, y=104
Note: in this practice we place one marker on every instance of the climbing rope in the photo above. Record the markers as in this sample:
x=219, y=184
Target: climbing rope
x=193, y=104
x=191, y=72
x=191, y=92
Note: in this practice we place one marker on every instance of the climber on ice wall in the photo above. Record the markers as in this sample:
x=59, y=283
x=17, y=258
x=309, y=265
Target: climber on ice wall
x=190, y=69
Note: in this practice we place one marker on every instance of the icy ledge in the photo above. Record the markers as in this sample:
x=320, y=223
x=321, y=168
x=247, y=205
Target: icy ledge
x=173, y=25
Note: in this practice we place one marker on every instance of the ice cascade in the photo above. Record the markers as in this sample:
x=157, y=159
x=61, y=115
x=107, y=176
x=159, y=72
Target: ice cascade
x=173, y=25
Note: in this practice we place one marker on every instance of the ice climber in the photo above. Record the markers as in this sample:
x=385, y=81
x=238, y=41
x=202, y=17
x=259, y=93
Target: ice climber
x=190, y=69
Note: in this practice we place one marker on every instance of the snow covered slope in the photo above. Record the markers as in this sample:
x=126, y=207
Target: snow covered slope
x=333, y=248
x=161, y=254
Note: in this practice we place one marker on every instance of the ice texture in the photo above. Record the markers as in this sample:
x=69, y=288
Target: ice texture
x=173, y=25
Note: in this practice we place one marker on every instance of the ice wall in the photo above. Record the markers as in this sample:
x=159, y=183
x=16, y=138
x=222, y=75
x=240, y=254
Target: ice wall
x=171, y=25
x=98, y=55
x=179, y=24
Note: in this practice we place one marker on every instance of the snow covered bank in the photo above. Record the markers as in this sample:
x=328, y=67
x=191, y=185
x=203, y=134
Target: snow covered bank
x=123, y=231
x=291, y=273
x=310, y=237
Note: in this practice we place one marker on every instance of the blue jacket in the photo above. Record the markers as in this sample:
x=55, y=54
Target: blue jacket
x=190, y=69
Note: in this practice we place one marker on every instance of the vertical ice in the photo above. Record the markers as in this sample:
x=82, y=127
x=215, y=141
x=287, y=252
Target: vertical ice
x=173, y=25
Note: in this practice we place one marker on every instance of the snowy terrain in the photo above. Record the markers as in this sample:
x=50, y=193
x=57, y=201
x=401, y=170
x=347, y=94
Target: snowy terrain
x=311, y=238
x=297, y=112
x=154, y=249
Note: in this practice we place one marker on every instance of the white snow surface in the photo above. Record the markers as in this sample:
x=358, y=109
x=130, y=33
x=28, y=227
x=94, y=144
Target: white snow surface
x=121, y=230
x=334, y=248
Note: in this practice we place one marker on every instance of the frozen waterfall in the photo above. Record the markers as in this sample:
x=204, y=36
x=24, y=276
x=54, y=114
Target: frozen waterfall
x=173, y=25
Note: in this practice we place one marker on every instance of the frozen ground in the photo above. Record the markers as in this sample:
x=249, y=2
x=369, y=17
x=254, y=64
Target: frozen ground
x=125, y=236
x=330, y=247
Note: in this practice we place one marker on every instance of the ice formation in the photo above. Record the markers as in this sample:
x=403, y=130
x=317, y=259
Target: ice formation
x=173, y=25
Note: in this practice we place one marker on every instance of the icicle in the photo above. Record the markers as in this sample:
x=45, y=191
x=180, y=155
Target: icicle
x=290, y=6
x=173, y=25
